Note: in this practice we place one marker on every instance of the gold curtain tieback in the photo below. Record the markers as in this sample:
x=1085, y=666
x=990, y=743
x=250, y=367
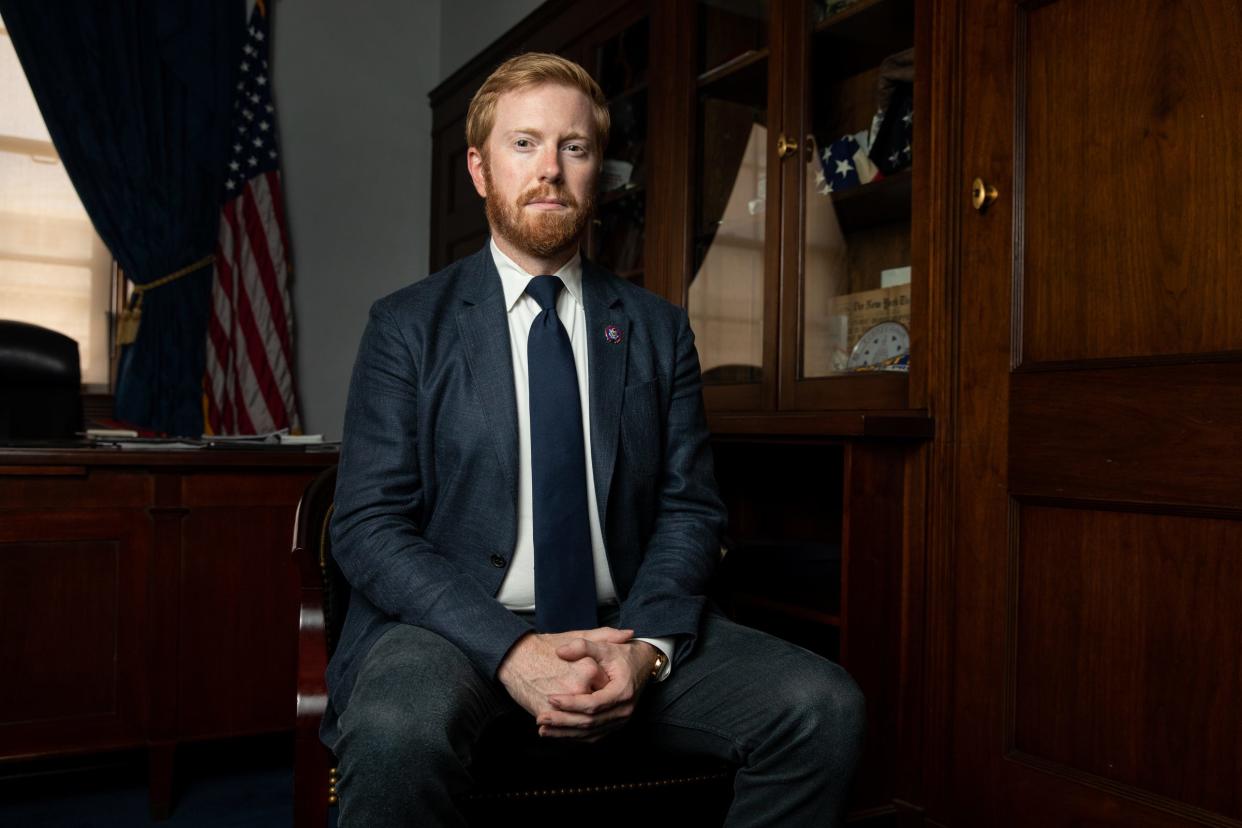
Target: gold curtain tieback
x=130, y=318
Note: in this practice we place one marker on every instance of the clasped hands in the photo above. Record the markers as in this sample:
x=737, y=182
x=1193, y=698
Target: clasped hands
x=581, y=684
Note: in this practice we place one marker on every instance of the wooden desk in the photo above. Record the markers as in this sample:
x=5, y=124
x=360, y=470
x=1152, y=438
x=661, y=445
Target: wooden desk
x=146, y=599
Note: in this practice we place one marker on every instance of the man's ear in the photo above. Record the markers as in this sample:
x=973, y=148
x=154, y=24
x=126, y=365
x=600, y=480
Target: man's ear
x=474, y=163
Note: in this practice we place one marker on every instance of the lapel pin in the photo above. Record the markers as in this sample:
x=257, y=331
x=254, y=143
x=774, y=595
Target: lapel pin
x=612, y=333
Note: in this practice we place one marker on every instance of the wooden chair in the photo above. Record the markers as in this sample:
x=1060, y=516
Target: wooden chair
x=616, y=782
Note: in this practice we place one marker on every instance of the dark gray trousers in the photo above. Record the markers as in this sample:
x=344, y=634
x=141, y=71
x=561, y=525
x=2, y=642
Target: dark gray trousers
x=790, y=720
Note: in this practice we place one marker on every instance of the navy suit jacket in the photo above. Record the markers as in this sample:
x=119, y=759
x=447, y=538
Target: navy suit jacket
x=425, y=521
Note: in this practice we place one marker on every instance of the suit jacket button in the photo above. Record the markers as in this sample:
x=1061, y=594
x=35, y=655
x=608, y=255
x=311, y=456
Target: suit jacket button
x=498, y=562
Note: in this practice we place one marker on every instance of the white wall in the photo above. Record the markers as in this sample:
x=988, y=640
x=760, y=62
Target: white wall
x=351, y=83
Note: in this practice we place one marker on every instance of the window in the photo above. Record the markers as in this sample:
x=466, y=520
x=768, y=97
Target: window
x=54, y=269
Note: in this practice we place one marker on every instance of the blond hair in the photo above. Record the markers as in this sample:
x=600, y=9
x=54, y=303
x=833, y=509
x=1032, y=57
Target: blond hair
x=522, y=72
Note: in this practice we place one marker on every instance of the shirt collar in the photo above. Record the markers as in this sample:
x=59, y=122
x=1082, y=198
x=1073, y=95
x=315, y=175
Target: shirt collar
x=513, y=279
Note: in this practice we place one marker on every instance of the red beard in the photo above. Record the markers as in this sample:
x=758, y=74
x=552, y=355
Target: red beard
x=537, y=234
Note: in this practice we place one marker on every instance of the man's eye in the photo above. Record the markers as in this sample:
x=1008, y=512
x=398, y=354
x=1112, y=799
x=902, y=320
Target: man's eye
x=523, y=142
x=576, y=149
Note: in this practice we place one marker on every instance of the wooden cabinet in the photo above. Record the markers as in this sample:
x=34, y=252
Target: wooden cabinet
x=799, y=245
x=146, y=599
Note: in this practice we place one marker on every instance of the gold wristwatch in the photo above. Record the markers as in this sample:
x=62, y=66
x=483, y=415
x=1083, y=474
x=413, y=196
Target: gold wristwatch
x=659, y=662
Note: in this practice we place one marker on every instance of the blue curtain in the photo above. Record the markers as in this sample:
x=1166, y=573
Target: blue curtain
x=137, y=95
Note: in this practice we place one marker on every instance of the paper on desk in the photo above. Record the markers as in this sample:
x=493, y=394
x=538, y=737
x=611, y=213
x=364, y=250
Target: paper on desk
x=151, y=444
x=281, y=436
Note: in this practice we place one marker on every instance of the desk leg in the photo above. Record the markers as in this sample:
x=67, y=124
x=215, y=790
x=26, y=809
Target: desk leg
x=160, y=779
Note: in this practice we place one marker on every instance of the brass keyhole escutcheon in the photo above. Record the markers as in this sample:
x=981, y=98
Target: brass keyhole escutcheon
x=982, y=195
x=785, y=147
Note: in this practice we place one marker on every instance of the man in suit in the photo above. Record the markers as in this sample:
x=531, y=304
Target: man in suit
x=527, y=514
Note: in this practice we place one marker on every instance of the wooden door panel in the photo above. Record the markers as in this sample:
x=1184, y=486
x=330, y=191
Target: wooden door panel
x=72, y=608
x=1169, y=434
x=1130, y=243
x=1121, y=623
x=239, y=616
x=61, y=596
x=1094, y=530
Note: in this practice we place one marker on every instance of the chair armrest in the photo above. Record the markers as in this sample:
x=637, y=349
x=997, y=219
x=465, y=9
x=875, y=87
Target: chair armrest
x=312, y=696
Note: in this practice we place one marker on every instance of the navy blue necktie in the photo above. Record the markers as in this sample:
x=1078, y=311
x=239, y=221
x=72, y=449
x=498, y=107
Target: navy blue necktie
x=564, y=570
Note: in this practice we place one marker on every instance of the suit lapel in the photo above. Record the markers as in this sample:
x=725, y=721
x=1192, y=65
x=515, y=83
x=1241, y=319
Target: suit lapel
x=606, y=320
x=484, y=327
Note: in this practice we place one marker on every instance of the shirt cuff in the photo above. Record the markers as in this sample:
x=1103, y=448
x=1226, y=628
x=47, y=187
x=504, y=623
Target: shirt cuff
x=664, y=645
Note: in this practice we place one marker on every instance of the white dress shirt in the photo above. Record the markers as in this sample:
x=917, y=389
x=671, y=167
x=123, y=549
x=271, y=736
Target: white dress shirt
x=517, y=591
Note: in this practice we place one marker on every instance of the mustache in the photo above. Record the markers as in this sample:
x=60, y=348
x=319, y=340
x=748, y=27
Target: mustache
x=548, y=192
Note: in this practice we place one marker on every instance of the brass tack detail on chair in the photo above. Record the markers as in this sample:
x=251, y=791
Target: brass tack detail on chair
x=598, y=789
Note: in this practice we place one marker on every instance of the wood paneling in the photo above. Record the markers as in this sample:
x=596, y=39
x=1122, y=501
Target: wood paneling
x=238, y=587
x=1126, y=633
x=1131, y=197
x=1165, y=434
x=871, y=600
x=65, y=595
x=256, y=488
x=49, y=487
x=71, y=607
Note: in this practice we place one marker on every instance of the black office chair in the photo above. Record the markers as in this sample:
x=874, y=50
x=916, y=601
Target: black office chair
x=517, y=775
x=40, y=383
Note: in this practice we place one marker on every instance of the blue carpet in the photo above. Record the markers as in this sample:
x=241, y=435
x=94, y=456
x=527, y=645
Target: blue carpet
x=242, y=784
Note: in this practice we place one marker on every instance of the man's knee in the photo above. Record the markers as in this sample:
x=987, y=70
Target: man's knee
x=416, y=704
x=826, y=709
x=384, y=735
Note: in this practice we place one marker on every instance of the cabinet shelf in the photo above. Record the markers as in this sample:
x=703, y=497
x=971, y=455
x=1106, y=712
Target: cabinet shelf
x=864, y=34
x=626, y=94
x=898, y=425
x=742, y=80
x=613, y=196
x=879, y=202
x=786, y=608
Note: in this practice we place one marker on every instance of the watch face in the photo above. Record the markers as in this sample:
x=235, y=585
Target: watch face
x=885, y=347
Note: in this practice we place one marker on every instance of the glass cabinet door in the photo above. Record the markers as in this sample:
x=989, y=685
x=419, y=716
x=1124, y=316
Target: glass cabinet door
x=846, y=306
x=617, y=232
x=730, y=289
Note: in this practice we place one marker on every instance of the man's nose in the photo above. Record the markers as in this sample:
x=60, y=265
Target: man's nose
x=550, y=165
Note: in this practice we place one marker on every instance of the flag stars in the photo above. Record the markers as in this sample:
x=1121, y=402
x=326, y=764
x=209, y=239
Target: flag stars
x=245, y=66
x=264, y=125
x=261, y=80
x=844, y=168
x=234, y=166
x=230, y=185
x=258, y=142
x=252, y=161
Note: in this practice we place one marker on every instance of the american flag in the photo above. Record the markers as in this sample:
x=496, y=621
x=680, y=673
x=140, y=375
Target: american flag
x=249, y=384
